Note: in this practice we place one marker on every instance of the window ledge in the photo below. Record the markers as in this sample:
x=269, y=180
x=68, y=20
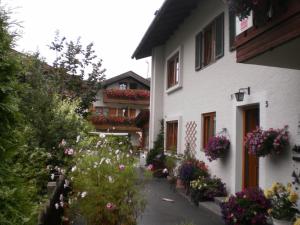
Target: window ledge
x=173, y=88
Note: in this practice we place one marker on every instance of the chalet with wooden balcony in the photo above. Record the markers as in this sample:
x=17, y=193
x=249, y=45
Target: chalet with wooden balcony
x=215, y=73
x=118, y=104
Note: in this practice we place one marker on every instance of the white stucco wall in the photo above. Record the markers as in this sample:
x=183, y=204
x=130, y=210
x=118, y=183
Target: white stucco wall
x=210, y=90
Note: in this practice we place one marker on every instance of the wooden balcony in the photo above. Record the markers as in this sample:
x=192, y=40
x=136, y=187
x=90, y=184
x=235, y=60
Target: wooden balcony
x=114, y=123
x=128, y=96
x=278, y=31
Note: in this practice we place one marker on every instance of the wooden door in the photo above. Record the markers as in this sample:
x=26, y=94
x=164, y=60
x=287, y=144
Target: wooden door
x=250, y=162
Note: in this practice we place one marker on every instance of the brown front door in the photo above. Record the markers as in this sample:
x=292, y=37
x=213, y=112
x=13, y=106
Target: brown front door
x=250, y=162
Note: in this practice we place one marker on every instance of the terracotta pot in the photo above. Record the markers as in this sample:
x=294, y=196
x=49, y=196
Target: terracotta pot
x=179, y=184
x=281, y=222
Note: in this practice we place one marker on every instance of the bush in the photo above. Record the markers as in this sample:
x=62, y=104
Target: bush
x=246, y=207
x=105, y=182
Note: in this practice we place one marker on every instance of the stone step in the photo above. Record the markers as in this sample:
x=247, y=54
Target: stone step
x=212, y=206
x=219, y=200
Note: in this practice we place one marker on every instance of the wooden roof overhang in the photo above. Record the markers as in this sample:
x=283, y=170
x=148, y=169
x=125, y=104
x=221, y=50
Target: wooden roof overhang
x=167, y=20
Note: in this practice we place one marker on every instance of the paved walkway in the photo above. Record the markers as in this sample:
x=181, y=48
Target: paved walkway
x=160, y=212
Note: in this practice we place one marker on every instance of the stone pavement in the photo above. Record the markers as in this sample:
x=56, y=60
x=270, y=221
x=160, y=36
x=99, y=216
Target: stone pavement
x=160, y=212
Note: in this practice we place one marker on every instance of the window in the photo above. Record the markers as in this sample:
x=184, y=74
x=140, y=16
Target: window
x=209, y=127
x=99, y=110
x=172, y=128
x=232, y=30
x=173, y=70
x=123, y=85
x=209, y=43
x=132, y=113
x=133, y=85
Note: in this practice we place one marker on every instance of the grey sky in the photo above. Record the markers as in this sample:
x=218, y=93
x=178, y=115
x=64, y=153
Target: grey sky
x=115, y=26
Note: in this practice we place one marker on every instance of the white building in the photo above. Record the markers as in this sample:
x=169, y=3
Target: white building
x=195, y=73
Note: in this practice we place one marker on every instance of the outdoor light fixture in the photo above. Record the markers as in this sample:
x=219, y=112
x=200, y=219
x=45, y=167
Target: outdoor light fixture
x=239, y=96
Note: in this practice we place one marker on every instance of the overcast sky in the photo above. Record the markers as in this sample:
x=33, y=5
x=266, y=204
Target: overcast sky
x=114, y=26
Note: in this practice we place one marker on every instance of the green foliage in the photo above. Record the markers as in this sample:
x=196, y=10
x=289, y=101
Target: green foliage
x=15, y=194
x=105, y=182
x=77, y=71
x=158, y=147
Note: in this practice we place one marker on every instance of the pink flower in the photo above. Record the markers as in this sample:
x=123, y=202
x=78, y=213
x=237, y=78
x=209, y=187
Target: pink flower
x=150, y=167
x=121, y=167
x=110, y=206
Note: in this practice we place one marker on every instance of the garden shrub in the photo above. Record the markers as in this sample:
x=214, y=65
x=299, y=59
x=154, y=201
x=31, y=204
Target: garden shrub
x=105, y=182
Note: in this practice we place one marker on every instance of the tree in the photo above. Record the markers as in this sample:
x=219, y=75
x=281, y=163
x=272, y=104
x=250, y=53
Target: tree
x=16, y=206
x=77, y=71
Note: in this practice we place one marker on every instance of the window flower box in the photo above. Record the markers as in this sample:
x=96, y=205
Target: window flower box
x=129, y=94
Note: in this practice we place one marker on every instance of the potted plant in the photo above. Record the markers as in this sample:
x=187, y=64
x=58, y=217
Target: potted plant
x=216, y=147
x=246, y=207
x=284, y=203
x=262, y=143
x=206, y=188
x=190, y=170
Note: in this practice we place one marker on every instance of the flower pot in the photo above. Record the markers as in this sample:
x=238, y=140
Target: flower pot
x=179, y=184
x=281, y=222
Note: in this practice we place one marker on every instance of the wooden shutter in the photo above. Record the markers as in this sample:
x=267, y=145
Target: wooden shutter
x=219, y=36
x=198, y=51
x=232, y=30
x=132, y=113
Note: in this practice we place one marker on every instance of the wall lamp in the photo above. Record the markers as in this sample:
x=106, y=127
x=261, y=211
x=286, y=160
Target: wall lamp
x=239, y=96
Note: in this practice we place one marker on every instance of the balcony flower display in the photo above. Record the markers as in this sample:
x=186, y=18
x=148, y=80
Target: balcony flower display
x=284, y=202
x=262, y=143
x=263, y=9
x=246, y=207
x=216, y=147
x=114, y=120
x=132, y=94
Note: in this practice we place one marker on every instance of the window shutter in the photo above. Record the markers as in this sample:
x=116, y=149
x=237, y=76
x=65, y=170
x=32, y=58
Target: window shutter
x=232, y=30
x=198, y=51
x=220, y=36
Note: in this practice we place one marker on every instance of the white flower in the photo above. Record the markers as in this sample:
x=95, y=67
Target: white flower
x=130, y=151
x=61, y=204
x=67, y=182
x=117, y=151
x=61, y=197
x=101, y=161
x=52, y=176
x=110, y=179
x=56, y=205
x=127, y=155
x=83, y=194
x=120, y=143
x=101, y=135
x=108, y=161
x=63, y=142
x=118, y=158
x=73, y=169
x=98, y=144
x=77, y=138
x=165, y=170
